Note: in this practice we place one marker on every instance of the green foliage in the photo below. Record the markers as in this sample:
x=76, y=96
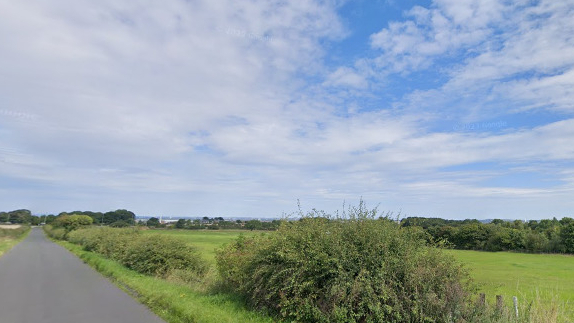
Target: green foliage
x=120, y=224
x=72, y=222
x=149, y=255
x=172, y=301
x=353, y=269
x=567, y=235
x=533, y=236
x=55, y=232
x=180, y=224
x=153, y=222
x=21, y=216
x=160, y=255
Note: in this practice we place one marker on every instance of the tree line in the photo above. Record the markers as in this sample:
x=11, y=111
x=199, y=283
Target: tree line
x=537, y=236
x=218, y=223
x=117, y=218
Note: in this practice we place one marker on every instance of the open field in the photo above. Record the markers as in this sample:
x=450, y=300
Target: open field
x=497, y=273
x=526, y=276
x=207, y=241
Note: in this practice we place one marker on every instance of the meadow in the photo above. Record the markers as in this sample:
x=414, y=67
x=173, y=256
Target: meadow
x=528, y=276
x=548, y=277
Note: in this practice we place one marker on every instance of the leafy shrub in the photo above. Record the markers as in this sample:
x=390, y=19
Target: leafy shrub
x=55, y=233
x=353, y=269
x=14, y=233
x=151, y=255
x=72, y=222
x=120, y=224
x=158, y=255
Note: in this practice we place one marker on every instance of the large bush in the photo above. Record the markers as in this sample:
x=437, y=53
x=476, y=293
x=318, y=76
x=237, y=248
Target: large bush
x=151, y=255
x=354, y=269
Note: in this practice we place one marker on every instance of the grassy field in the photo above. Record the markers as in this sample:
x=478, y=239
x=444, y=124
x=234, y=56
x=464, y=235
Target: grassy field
x=543, y=279
x=207, y=241
x=7, y=240
x=526, y=276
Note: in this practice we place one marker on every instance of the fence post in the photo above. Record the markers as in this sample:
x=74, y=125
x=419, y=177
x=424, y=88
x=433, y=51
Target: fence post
x=515, y=301
x=499, y=302
x=482, y=299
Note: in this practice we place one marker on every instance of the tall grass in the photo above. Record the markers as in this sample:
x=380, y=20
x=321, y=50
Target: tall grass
x=10, y=237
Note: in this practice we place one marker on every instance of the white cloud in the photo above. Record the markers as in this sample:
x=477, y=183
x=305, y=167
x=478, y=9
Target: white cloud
x=346, y=77
x=209, y=107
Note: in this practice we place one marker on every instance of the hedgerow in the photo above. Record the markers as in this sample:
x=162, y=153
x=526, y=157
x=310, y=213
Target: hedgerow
x=357, y=268
x=151, y=255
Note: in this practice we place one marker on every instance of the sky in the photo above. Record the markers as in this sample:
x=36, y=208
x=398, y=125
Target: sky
x=439, y=108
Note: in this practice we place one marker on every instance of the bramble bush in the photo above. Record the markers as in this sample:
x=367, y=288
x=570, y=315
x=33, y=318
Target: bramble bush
x=355, y=268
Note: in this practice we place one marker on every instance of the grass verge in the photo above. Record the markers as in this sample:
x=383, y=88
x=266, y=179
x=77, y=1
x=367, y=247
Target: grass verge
x=172, y=301
x=9, y=241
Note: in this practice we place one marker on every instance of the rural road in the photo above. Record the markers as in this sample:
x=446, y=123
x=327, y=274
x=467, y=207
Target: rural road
x=41, y=282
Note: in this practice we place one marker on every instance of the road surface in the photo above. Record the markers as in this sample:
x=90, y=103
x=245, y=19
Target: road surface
x=41, y=282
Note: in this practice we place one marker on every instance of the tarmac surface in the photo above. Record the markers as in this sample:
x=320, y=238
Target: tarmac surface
x=41, y=282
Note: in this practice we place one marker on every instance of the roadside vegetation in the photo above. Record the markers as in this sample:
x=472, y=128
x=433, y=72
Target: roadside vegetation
x=358, y=267
x=11, y=235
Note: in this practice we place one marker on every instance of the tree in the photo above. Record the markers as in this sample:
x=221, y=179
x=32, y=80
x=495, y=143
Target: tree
x=119, y=215
x=253, y=225
x=567, y=236
x=73, y=222
x=180, y=224
x=19, y=216
x=153, y=222
x=50, y=219
x=35, y=220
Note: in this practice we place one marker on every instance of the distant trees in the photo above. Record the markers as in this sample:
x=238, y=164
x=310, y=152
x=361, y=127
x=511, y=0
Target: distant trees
x=17, y=216
x=548, y=235
x=567, y=236
x=180, y=224
x=107, y=218
x=153, y=222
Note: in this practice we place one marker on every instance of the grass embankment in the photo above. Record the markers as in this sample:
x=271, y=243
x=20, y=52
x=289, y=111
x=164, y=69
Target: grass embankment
x=10, y=237
x=173, y=301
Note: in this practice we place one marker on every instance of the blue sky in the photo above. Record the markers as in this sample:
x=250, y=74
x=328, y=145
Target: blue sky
x=453, y=109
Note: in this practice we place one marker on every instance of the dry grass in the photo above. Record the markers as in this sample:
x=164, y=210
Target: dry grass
x=10, y=226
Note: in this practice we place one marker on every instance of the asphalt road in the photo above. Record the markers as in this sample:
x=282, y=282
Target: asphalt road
x=41, y=282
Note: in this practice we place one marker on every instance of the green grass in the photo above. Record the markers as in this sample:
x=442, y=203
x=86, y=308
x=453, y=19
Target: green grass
x=174, y=302
x=207, y=241
x=549, y=278
x=544, y=279
x=497, y=273
x=7, y=242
